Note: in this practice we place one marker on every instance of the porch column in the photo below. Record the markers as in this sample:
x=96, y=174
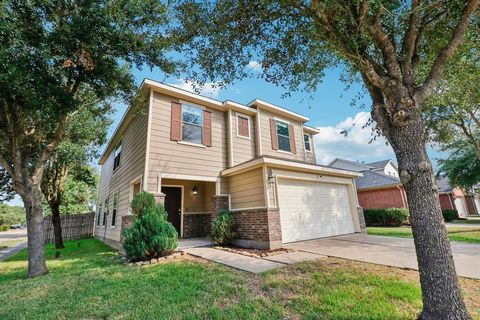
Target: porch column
x=159, y=198
x=361, y=220
x=220, y=202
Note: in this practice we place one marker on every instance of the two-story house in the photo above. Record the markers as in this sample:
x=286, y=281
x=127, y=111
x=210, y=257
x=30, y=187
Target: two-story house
x=198, y=155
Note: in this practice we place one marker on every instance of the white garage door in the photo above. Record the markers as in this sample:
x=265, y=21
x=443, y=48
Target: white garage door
x=310, y=210
x=460, y=206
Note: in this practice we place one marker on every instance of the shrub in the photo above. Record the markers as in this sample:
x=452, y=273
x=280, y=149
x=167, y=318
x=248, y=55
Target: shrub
x=4, y=228
x=386, y=217
x=222, y=228
x=449, y=215
x=142, y=203
x=150, y=236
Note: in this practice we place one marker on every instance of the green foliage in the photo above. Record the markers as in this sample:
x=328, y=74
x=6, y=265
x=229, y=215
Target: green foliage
x=4, y=228
x=222, y=228
x=11, y=215
x=150, y=236
x=462, y=167
x=386, y=217
x=449, y=215
x=6, y=186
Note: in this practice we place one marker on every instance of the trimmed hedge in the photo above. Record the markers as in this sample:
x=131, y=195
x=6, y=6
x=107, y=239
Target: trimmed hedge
x=450, y=215
x=386, y=216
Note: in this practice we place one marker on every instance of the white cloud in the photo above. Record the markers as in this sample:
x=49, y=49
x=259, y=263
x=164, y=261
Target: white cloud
x=330, y=143
x=254, y=66
x=211, y=89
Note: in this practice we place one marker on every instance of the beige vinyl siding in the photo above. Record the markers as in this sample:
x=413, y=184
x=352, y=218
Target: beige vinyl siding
x=246, y=190
x=243, y=148
x=310, y=154
x=132, y=165
x=265, y=117
x=171, y=157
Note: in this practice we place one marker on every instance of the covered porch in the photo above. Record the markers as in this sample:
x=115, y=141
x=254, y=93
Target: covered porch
x=189, y=204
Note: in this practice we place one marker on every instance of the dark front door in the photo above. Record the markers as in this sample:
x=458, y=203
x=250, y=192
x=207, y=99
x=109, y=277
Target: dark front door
x=173, y=205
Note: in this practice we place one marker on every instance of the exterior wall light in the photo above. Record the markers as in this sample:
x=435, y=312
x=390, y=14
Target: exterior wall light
x=195, y=190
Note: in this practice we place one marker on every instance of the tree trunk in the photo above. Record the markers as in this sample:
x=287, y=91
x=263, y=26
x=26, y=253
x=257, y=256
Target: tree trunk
x=35, y=235
x=57, y=225
x=440, y=288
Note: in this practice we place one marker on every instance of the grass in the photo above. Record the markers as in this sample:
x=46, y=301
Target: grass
x=460, y=234
x=11, y=243
x=469, y=220
x=87, y=281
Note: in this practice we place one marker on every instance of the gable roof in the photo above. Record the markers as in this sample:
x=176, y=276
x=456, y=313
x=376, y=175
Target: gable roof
x=361, y=166
x=373, y=179
x=443, y=184
x=379, y=164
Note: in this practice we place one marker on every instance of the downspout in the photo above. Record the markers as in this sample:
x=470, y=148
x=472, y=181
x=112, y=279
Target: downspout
x=230, y=139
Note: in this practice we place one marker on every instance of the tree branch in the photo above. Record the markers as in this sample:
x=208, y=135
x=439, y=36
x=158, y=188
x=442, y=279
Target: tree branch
x=410, y=42
x=462, y=26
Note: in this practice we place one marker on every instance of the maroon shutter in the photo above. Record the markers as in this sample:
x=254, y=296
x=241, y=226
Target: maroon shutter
x=243, y=127
x=273, y=134
x=291, y=133
x=176, y=122
x=207, y=128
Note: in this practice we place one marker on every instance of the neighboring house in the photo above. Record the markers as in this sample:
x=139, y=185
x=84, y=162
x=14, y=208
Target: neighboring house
x=379, y=187
x=198, y=155
x=452, y=198
x=473, y=203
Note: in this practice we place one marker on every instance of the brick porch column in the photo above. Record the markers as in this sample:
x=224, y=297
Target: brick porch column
x=220, y=202
x=361, y=220
x=126, y=223
x=159, y=198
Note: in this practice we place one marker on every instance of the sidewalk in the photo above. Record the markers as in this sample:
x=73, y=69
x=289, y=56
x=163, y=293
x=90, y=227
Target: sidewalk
x=8, y=252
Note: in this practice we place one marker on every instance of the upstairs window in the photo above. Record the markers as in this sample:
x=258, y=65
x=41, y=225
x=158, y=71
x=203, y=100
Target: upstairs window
x=243, y=127
x=307, y=141
x=114, y=209
x=192, y=124
x=118, y=153
x=283, y=136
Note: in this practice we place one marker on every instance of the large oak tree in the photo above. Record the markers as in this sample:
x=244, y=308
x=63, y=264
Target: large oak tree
x=49, y=51
x=399, y=49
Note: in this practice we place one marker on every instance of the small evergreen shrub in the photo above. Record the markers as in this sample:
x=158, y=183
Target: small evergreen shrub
x=4, y=228
x=386, y=216
x=151, y=235
x=222, y=228
x=449, y=215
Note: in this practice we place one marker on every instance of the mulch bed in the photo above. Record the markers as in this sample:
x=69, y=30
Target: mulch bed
x=254, y=253
x=174, y=255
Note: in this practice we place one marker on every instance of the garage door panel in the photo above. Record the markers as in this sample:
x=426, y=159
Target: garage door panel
x=310, y=210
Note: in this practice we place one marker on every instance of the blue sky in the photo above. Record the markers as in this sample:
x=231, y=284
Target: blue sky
x=330, y=109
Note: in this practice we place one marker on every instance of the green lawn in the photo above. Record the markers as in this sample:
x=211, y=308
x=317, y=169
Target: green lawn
x=469, y=220
x=85, y=283
x=461, y=234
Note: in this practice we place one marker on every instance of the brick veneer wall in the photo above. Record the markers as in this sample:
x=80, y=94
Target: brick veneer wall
x=381, y=198
x=196, y=225
x=472, y=209
x=219, y=202
x=258, y=227
x=446, y=201
x=361, y=220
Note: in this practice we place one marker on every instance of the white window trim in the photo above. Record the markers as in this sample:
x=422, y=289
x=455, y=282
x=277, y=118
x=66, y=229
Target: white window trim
x=288, y=127
x=249, y=119
x=182, y=103
x=120, y=142
x=286, y=152
x=309, y=141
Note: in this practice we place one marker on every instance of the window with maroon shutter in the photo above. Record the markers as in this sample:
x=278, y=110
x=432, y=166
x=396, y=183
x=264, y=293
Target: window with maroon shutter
x=192, y=124
x=207, y=128
x=284, y=136
x=242, y=129
x=176, y=122
x=291, y=132
x=273, y=134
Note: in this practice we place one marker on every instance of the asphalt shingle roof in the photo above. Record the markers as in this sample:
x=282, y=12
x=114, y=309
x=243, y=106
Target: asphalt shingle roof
x=372, y=179
x=443, y=184
x=379, y=164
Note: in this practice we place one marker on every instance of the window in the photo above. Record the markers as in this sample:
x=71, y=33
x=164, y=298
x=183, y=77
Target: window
x=306, y=140
x=99, y=212
x=118, y=153
x=105, y=213
x=283, y=136
x=114, y=209
x=243, y=126
x=192, y=124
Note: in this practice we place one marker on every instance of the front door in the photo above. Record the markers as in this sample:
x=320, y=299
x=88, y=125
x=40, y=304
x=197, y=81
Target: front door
x=173, y=205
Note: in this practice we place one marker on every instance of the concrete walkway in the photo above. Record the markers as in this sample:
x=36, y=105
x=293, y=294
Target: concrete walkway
x=234, y=260
x=8, y=252
x=389, y=251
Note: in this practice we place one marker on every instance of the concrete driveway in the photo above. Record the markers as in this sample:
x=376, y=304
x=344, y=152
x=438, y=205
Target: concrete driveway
x=389, y=251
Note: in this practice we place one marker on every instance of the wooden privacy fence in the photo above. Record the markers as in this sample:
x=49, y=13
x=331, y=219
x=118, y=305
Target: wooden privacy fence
x=74, y=226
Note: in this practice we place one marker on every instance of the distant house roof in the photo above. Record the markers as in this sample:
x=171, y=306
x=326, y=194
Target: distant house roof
x=360, y=166
x=379, y=164
x=373, y=179
x=443, y=184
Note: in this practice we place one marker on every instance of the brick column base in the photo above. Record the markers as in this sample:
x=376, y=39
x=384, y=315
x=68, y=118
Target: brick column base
x=361, y=220
x=220, y=202
x=126, y=223
x=159, y=198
